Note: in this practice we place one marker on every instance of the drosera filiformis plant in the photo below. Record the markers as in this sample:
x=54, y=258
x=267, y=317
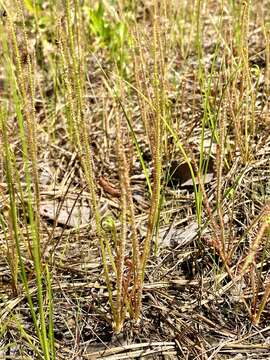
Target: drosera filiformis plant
x=103, y=106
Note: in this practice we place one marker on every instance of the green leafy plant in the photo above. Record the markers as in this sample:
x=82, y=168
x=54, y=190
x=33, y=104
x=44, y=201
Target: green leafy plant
x=112, y=34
